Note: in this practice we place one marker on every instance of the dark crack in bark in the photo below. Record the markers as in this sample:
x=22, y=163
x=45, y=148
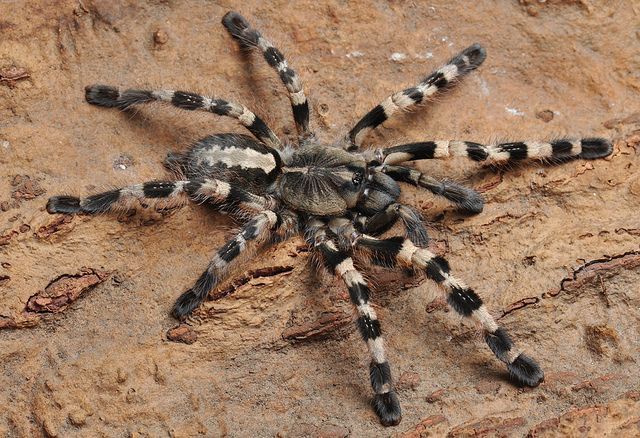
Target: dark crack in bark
x=591, y=270
x=270, y=271
x=321, y=328
x=64, y=290
x=586, y=273
x=520, y=304
x=62, y=223
x=59, y=294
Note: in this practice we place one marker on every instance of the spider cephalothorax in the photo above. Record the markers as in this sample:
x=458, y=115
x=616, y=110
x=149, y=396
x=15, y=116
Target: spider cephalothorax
x=339, y=197
x=321, y=180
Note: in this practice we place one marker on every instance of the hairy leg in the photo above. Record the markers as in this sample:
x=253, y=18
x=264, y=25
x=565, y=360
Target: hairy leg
x=385, y=219
x=256, y=231
x=463, y=197
x=461, y=298
x=587, y=148
x=385, y=402
x=111, y=97
x=250, y=38
x=167, y=192
x=461, y=64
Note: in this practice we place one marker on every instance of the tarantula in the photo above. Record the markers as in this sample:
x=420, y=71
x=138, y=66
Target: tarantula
x=339, y=197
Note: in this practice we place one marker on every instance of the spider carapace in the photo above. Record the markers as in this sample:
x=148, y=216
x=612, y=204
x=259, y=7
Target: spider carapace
x=341, y=198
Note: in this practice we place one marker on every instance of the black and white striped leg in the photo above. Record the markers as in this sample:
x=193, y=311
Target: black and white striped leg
x=463, y=300
x=250, y=38
x=166, y=192
x=587, y=148
x=461, y=64
x=463, y=197
x=385, y=402
x=252, y=234
x=111, y=97
x=230, y=197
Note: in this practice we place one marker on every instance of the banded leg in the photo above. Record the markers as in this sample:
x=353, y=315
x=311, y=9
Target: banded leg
x=463, y=197
x=463, y=300
x=461, y=64
x=256, y=231
x=587, y=148
x=250, y=38
x=111, y=97
x=385, y=402
x=168, y=192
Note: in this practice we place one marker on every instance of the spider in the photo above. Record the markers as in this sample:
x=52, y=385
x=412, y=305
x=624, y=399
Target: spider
x=340, y=197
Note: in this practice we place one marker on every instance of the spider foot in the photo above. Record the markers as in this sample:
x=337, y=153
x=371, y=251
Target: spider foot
x=526, y=371
x=593, y=148
x=387, y=407
x=111, y=97
x=186, y=304
x=102, y=95
x=237, y=26
x=464, y=197
x=188, y=301
x=63, y=204
x=476, y=54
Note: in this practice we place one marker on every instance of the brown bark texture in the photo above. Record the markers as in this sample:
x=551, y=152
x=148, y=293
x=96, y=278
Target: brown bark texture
x=87, y=345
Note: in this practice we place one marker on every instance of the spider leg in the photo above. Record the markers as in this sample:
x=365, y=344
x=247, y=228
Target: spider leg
x=256, y=231
x=461, y=298
x=111, y=97
x=461, y=64
x=250, y=38
x=385, y=402
x=587, y=148
x=463, y=197
x=385, y=219
x=168, y=192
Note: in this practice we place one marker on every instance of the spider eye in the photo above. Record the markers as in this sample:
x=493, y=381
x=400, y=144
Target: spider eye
x=357, y=178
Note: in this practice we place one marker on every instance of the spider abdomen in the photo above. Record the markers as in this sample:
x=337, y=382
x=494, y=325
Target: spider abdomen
x=235, y=158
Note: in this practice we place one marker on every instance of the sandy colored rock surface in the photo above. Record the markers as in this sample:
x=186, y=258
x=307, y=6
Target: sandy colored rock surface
x=87, y=346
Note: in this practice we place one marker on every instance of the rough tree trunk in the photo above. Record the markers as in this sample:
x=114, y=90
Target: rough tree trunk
x=87, y=346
